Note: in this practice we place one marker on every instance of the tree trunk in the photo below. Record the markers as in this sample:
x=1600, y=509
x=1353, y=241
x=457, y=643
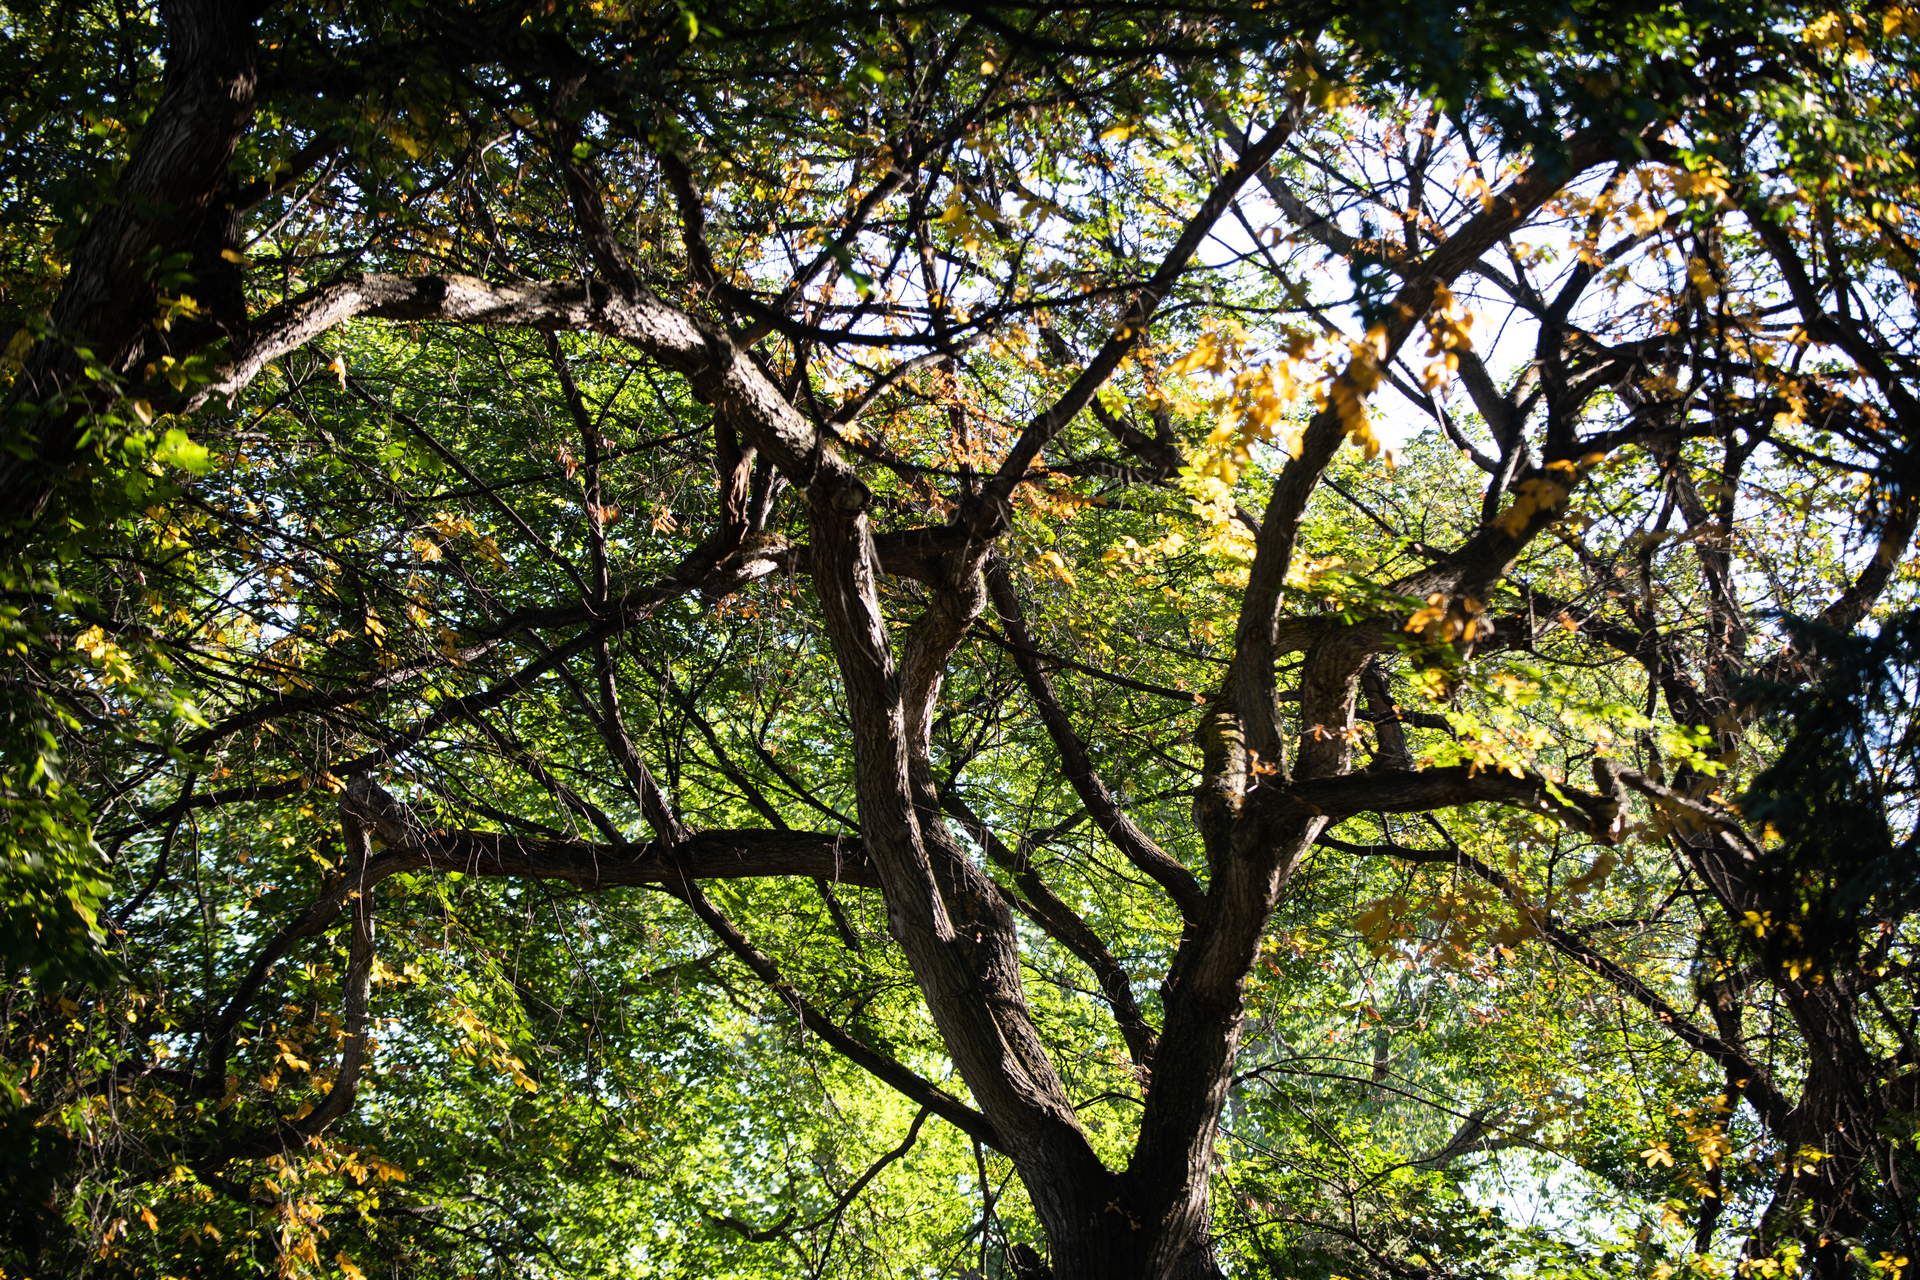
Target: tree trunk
x=1112, y=1247
x=957, y=932
x=161, y=205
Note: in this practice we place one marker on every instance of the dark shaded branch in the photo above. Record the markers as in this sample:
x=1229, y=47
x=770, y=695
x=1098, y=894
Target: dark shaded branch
x=923, y=1091
x=1146, y=301
x=705, y=855
x=1065, y=926
x=1138, y=847
x=874, y=1170
x=1767, y=1099
x=1397, y=791
x=179, y=166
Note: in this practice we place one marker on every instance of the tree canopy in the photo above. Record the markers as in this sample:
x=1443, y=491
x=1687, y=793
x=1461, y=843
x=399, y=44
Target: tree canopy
x=960, y=640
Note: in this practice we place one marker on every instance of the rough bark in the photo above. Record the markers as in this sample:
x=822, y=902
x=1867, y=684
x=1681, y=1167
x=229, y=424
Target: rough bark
x=163, y=201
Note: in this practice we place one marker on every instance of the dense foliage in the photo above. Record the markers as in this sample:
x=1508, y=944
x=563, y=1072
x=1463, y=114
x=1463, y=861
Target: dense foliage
x=1131, y=641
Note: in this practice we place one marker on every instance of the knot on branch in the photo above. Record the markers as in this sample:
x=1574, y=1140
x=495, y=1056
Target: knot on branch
x=1610, y=816
x=985, y=516
x=845, y=492
x=394, y=823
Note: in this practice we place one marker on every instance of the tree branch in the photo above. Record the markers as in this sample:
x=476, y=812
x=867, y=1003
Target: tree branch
x=1065, y=926
x=1767, y=1099
x=929, y=1095
x=1139, y=848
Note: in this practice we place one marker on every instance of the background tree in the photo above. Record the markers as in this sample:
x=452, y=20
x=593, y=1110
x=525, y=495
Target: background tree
x=815, y=552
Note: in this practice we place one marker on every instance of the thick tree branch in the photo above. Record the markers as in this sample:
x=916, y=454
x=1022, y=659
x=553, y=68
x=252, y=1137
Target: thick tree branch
x=1255, y=634
x=164, y=195
x=1394, y=791
x=1065, y=926
x=704, y=855
x=693, y=347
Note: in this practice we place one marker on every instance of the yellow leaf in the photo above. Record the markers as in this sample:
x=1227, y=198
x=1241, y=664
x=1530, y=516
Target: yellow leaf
x=1054, y=565
x=449, y=645
x=1207, y=354
x=386, y=1171
x=1423, y=618
x=1701, y=274
x=1826, y=30
x=1710, y=183
x=1331, y=96
x=1807, y=1159
x=1513, y=521
x=406, y=142
x=347, y=1268
x=1657, y=1154
x=146, y=1216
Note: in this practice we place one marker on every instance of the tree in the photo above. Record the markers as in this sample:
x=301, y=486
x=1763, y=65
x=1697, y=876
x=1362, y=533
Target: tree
x=704, y=452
